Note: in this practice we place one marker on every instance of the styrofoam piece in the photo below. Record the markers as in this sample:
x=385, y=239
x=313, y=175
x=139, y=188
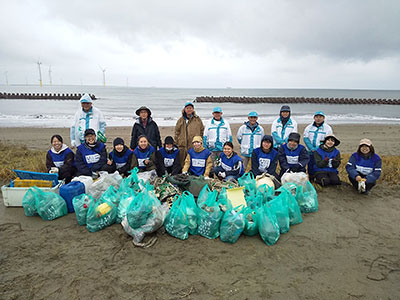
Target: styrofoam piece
x=12, y=196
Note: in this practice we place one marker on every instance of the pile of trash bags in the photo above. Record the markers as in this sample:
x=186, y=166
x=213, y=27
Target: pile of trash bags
x=269, y=210
x=47, y=205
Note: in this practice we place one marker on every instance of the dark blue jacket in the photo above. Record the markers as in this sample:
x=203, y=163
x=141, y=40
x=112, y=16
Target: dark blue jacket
x=369, y=167
x=232, y=166
x=169, y=161
x=293, y=160
x=88, y=160
x=262, y=162
x=326, y=160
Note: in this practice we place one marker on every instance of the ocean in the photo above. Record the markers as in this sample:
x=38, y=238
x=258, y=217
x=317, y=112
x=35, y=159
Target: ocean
x=119, y=104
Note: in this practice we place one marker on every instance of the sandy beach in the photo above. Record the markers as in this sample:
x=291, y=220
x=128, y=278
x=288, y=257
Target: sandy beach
x=349, y=249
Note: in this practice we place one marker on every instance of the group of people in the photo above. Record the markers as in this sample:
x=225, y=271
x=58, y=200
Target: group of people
x=208, y=150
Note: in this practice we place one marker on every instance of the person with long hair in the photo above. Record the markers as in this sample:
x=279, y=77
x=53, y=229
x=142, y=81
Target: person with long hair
x=230, y=165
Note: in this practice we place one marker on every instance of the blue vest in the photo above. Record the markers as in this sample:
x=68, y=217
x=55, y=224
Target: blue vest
x=91, y=155
x=292, y=157
x=58, y=159
x=330, y=155
x=365, y=166
x=229, y=163
x=168, y=158
x=121, y=161
x=265, y=159
x=142, y=156
x=198, y=161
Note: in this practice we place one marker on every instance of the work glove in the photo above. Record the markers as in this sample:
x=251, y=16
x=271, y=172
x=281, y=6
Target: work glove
x=73, y=144
x=206, y=177
x=53, y=170
x=222, y=174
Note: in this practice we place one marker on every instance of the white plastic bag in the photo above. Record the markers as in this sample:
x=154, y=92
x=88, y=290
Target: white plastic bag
x=103, y=183
x=86, y=180
x=299, y=178
x=149, y=176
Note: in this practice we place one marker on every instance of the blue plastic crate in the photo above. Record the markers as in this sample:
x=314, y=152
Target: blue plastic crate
x=37, y=176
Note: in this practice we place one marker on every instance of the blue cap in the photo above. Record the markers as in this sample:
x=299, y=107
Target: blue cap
x=188, y=103
x=320, y=112
x=86, y=99
x=253, y=114
x=217, y=109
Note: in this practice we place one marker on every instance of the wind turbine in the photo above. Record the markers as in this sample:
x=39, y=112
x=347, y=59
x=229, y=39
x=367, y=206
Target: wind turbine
x=51, y=82
x=104, y=75
x=40, y=73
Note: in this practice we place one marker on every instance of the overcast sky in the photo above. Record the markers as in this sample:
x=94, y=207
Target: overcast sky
x=208, y=43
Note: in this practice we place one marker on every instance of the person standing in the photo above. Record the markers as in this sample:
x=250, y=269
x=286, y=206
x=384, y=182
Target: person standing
x=283, y=126
x=216, y=133
x=86, y=117
x=249, y=137
x=314, y=135
x=187, y=127
x=145, y=125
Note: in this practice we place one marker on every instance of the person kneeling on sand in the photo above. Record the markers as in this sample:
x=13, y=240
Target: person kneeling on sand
x=60, y=159
x=326, y=161
x=230, y=165
x=169, y=162
x=293, y=157
x=364, y=167
x=198, y=160
x=91, y=157
x=265, y=158
x=120, y=158
x=144, y=155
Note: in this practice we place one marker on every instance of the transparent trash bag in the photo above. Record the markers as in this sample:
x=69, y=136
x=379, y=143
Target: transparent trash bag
x=81, y=205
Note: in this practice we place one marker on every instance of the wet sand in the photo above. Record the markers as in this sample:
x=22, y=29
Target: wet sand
x=349, y=249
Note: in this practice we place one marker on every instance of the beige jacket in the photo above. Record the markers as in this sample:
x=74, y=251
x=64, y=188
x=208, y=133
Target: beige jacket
x=185, y=132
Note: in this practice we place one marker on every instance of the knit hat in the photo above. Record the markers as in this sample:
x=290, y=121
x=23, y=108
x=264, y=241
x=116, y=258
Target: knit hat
x=267, y=138
x=89, y=131
x=169, y=140
x=366, y=142
x=143, y=108
x=118, y=141
x=197, y=138
x=86, y=99
x=294, y=136
x=285, y=108
x=332, y=136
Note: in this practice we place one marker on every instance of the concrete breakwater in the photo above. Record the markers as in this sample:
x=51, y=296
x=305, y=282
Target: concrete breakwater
x=37, y=96
x=284, y=100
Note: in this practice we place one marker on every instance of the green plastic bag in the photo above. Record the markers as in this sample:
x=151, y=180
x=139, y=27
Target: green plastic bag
x=267, y=225
x=295, y=216
x=203, y=196
x=101, y=213
x=176, y=222
x=249, y=183
x=81, y=205
x=140, y=208
x=250, y=222
x=223, y=201
x=308, y=199
x=189, y=208
x=124, y=201
x=267, y=192
x=209, y=217
x=50, y=205
x=29, y=202
x=111, y=195
x=279, y=206
x=232, y=225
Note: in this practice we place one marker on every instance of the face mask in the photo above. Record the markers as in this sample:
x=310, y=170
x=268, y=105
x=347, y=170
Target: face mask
x=169, y=149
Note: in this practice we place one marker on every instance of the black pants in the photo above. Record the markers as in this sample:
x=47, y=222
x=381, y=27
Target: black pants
x=327, y=178
x=368, y=186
